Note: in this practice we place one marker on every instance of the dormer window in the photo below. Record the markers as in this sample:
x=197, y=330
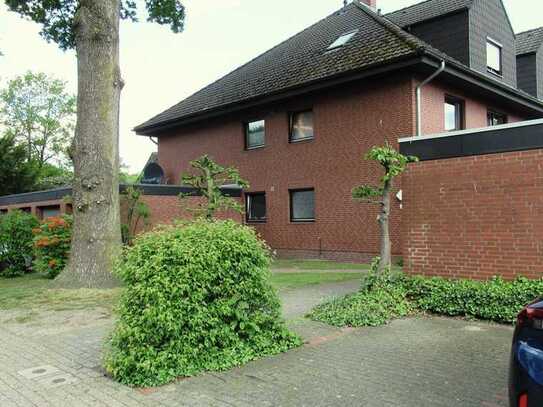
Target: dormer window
x=494, y=56
x=342, y=40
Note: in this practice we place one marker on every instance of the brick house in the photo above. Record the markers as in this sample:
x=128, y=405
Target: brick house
x=297, y=120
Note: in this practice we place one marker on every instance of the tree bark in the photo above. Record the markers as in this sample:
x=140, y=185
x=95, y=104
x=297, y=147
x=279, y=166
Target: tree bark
x=384, y=216
x=96, y=236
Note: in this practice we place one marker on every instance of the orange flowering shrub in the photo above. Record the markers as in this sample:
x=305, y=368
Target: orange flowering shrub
x=52, y=245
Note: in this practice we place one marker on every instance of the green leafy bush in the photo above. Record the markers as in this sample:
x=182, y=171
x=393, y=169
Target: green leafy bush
x=52, y=245
x=197, y=298
x=16, y=242
x=387, y=295
x=381, y=298
x=494, y=300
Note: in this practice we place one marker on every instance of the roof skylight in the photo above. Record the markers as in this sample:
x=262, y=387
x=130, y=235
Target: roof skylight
x=342, y=40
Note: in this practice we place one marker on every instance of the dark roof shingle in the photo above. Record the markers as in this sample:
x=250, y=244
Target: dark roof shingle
x=303, y=59
x=426, y=11
x=300, y=60
x=529, y=41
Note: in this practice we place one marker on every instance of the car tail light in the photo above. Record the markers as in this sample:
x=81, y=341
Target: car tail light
x=523, y=400
x=530, y=317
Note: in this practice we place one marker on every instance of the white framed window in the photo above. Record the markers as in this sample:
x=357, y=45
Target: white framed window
x=255, y=134
x=301, y=126
x=494, y=56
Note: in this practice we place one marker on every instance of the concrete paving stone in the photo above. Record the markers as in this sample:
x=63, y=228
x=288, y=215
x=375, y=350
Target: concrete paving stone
x=413, y=362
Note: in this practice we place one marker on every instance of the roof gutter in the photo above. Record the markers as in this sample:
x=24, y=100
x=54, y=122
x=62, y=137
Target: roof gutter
x=419, y=95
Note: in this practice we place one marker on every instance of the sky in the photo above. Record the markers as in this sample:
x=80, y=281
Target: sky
x=161, y=68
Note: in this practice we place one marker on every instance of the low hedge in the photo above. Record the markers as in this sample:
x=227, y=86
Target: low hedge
x=493, y=300
x=197, y=298
x=375, y=304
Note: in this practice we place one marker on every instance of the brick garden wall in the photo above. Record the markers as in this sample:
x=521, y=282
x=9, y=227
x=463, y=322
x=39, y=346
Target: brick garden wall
x=475, y=217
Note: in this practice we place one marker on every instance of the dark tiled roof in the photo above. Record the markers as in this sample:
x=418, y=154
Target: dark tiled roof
x=529, y=41
x=426, y=11
x=301, y=60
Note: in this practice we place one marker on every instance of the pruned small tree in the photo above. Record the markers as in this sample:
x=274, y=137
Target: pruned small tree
x=136, y=210
x=393, y=163
x=207, y=181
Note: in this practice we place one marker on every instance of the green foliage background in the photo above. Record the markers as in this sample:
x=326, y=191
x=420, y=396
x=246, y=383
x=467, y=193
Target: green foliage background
x=16, y=242
x=197, y=298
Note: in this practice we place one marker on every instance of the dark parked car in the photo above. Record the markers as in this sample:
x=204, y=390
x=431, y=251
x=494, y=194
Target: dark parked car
x=526, y=368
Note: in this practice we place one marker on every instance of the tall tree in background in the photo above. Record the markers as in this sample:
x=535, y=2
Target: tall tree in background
x=92, y=28
x=17, y=174
x=36, y=110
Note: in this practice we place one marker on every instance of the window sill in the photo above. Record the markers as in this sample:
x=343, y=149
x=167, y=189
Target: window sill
x=302, y=140
x=302, y=221
x=494, y=73
x=255, y=221
x=254, y=148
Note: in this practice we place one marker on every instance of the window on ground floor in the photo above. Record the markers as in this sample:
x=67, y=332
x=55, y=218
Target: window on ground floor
x=255, y=207
x=45, y=212
x=302, y=205
x=454, y=113
x=496, y=118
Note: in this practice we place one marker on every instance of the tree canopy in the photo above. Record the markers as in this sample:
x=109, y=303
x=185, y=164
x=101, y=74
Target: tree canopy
x=17, y=175
x=37, y=111
x=58, y=17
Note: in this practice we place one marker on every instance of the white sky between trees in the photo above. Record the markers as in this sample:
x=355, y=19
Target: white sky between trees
x=161, y=68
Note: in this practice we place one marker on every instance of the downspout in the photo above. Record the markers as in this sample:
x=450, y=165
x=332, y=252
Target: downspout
x=419, y=91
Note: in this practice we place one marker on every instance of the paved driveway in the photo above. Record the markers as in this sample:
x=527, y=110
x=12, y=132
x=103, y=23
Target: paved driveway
x=54, y=361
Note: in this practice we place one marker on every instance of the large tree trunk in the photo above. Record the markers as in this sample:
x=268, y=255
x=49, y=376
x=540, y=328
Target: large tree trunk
x=384, y=217
x=96, y=240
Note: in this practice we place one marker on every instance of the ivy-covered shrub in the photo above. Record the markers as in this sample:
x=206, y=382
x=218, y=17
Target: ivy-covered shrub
x=52, y=245
x=382, y=297
x=16, y=242
x=494, y=300
x=387, y=296
x=197, y=298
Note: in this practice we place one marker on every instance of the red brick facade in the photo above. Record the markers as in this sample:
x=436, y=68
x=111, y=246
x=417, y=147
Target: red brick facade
x=475, y=217
x=347, y=122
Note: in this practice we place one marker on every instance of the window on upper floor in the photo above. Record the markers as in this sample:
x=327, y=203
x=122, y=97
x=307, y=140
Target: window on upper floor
x=302, y=205
x=493, y=56
x=495, y=118
x=255, y=206
x=255, y=134
x=301, y=126
x=454, y=113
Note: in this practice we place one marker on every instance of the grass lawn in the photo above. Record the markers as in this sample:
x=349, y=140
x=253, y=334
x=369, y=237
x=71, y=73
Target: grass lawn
x=34, y=291
x=317, y=265
x=297, y=280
